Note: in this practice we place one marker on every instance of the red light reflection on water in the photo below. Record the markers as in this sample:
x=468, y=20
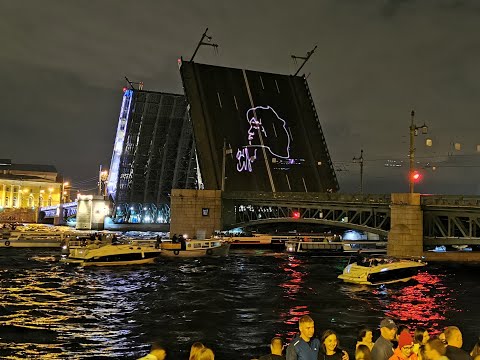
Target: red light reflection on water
x=295, y=278
x=421, y=304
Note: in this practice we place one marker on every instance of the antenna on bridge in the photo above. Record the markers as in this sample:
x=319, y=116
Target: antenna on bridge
x=132, y=83
x=208, y=43
x=360, y=161
x=304, y=58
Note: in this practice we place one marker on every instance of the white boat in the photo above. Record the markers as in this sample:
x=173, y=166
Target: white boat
x=333, y=246
x=33, y=239
x=195, y=248
x=380, y=270
x=132, y=253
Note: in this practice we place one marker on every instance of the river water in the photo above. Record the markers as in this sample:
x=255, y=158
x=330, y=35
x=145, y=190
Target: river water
x=234, y=305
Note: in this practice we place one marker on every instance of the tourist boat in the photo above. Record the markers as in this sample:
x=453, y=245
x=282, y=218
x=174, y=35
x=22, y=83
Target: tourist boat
x=380, y=270
x=131, y=253
x=331, y=245
x=195, y=248
x=22, y=238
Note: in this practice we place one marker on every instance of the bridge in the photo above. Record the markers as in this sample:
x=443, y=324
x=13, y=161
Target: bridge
x=410, y=221
x=447, y=219
x=63, y=212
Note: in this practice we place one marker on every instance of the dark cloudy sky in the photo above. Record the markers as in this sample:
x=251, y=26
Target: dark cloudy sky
x=62, y=66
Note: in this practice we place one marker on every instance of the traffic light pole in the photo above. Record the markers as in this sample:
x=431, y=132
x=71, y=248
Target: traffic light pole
x=412, y=152
x=413, y=132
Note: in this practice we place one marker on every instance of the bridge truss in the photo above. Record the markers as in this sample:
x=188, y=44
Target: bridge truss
x=362, y=212
x=451, y=220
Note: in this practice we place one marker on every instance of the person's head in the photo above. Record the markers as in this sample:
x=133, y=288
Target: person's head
x=306, y=327
x=363, y=353
x=195, y=350
x=365, y=335
x=388, y=328
x=276, y=346
x=476, y=349
x=405, y=343
x=434, y=349
x=401, y=328
x=453, y=335
x=206, y=354
x=158, y=350
x=329, y=342
x=421, y=336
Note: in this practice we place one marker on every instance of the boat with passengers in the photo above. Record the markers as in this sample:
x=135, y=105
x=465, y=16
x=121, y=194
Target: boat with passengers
x=195, y=248
x=380, y=270
x=132, y=252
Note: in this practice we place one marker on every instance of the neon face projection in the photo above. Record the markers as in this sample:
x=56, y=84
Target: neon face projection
x=267, y=131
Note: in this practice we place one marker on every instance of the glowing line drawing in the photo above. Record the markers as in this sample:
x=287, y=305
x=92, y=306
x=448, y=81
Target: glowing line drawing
x=244, y=158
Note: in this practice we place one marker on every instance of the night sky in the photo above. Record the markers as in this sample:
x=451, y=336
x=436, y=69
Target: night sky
x=62, y=66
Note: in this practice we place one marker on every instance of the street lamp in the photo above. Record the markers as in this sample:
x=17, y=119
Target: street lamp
x=414, y=132
x=360, y=160
x=63, y=195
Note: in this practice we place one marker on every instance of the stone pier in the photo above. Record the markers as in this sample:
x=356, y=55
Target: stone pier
x=197, y=213
x=405, y=238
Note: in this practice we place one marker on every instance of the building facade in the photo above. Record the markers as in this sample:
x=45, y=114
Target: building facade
x=24, y=188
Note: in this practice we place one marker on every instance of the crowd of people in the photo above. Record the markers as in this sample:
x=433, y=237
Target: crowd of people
x=396, y=342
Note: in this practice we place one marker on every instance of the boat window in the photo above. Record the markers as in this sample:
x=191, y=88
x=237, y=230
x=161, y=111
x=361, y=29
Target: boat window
x=197, y=245
x=206, y=245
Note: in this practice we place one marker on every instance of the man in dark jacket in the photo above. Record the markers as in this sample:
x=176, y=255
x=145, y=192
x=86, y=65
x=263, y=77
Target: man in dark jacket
x=383, y=347
x=303, y=347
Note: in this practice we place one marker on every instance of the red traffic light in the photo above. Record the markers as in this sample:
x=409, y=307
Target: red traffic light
x=296, y=215
x=416, y=176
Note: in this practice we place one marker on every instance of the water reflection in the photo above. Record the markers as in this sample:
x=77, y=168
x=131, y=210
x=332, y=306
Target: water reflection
x=295, y=271
x=422, y=302
x=235, y=305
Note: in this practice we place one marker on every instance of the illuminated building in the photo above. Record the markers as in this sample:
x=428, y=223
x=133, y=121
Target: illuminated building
x=24, y=188
x=153, y=153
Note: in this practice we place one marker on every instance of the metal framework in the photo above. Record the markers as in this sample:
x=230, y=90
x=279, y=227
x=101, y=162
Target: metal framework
x=450, y=220
x=355, y=211
x=157, y=154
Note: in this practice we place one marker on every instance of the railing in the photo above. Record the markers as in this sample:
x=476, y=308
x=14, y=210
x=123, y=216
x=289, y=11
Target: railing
x=451, y=200
x=384, y=199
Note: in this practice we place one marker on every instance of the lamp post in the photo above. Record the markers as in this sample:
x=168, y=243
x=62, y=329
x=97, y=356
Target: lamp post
x=225, y=151
x=63, y=195
x=413, y=132
x=360, y=160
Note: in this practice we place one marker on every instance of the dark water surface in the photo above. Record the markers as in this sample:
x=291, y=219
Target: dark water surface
x=235, y=305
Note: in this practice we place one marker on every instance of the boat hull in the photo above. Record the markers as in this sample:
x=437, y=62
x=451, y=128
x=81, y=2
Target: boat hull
x=112, y=255
x=31, y=243
x=109, y=263
x=216, y=251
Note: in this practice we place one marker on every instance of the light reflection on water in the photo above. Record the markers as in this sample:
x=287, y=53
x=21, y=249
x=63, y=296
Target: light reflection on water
x=234, y=305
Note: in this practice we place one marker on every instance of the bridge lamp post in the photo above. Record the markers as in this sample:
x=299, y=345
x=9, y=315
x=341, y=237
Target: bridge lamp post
x=225, y=151
x=414, y=132
x=63, y=194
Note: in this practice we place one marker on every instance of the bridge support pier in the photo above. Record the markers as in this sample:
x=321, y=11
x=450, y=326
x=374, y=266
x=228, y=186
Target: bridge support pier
x=197, y=213
x=405, y=238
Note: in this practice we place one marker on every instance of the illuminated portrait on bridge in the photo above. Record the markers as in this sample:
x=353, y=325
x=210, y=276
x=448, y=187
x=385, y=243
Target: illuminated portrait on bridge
x=267, y=131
